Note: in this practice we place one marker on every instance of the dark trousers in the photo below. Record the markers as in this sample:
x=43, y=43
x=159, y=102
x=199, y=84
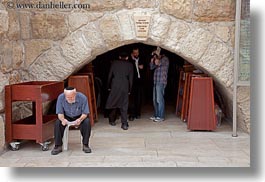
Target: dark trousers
x=136, y=101
x=85, y=129
x=113, y=115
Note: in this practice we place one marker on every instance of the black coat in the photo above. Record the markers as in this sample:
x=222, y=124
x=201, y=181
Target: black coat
x=120, y=82
x=137, y=81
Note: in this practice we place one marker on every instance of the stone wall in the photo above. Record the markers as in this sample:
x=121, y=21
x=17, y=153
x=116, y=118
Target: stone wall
x=49, y=44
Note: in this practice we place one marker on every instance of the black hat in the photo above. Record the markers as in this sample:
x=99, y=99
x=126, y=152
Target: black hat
x=123, y=54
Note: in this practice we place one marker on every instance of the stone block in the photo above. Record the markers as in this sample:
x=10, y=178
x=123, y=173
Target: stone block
x=48, y=26
x=77, y=19
x=127, y=25
x=17, y=56
x=178, y=31
x=15, y=77
x=159, y=27
x=50, y=66
x=94, y=39
x=243, y=99
x=75, y=48
x=3, y=21
x=25, y=27
x=214, y=10
x=34, y=48
x=225, y=73
x=4, y=80
x=180, y=9
x=110, y=29
x=13, y=26
x=11, y=56
x=195, y=44
x=103, y=5
x=140, y=4
x=215, y=56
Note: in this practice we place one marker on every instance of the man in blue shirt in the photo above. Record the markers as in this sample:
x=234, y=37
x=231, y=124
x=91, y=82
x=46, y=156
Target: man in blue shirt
x=72, y=106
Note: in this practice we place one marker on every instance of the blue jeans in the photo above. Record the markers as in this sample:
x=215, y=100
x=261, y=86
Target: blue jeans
x=158, y=100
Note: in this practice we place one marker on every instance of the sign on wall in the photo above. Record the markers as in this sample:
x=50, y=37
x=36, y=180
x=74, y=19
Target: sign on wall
x=142, y=24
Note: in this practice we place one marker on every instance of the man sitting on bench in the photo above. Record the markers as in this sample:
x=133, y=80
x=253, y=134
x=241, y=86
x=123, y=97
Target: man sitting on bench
x=72, y=106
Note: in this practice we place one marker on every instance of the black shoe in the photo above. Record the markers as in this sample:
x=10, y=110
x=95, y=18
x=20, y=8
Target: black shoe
x=56, y=150
x=86, y=149
x=131, y=118
x=138, y=117
x=112, y=123
x=125, y=126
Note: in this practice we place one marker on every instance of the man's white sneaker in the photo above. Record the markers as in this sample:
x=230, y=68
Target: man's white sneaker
x=152, y=118
x=158, y=119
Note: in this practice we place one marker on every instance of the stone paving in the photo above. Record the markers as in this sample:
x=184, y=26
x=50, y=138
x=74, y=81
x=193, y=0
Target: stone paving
x=145, y=144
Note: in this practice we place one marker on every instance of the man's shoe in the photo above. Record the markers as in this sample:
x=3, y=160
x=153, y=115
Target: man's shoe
x=86, y=149
x=131, y=118
x=56, y=150
x=112, y=123
x=138, y=117
x=158, y=119
x=125, y=126
x=152, y=118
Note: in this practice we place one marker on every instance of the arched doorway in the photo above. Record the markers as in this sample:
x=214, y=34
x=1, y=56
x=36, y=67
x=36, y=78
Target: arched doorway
x=101, y=64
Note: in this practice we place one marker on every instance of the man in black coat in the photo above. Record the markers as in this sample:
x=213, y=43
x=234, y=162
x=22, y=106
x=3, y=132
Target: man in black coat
x=137, y=89
x=120, y=82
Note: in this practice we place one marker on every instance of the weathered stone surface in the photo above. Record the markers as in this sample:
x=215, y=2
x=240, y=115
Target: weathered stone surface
x=13, y=28
x=178, y=31
x=3, y=82
x=94, y=39
x=34, y=48
x=11, y=56
x=244, y=108
x=127, y=25
x=2, y=7
x=140, y=4
x=110, y=29
x=6, y=56
x=17, y=61
x=159, y=27
x=223, y=32
x=225, y=73
x=180, y=9
x=14, y=77
x=25, y=27
x=77, y=19
x=50, y=66
x=214, y=10
x=195, y=44
x=48, y=26
x=103, y=5
x=75, y=48
x=215, y=56
x=3, y=21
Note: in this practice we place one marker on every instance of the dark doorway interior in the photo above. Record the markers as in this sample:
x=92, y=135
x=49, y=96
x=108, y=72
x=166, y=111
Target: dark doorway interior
x=102, y=64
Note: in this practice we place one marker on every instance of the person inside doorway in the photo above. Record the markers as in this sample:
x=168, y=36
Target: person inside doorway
x=120, y=82
x=137, y=89
x=71, y=108
x=159, y=63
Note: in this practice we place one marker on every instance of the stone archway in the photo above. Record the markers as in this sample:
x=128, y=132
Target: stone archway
x=207, y=46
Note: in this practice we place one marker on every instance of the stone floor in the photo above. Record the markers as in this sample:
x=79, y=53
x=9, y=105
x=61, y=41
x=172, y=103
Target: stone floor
x=145, y=144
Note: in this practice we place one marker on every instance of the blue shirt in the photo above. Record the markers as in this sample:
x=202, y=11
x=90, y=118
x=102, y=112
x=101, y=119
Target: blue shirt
x=79, y=107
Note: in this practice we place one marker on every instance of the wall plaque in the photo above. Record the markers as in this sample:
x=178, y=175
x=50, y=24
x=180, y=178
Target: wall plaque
x=142, y=24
